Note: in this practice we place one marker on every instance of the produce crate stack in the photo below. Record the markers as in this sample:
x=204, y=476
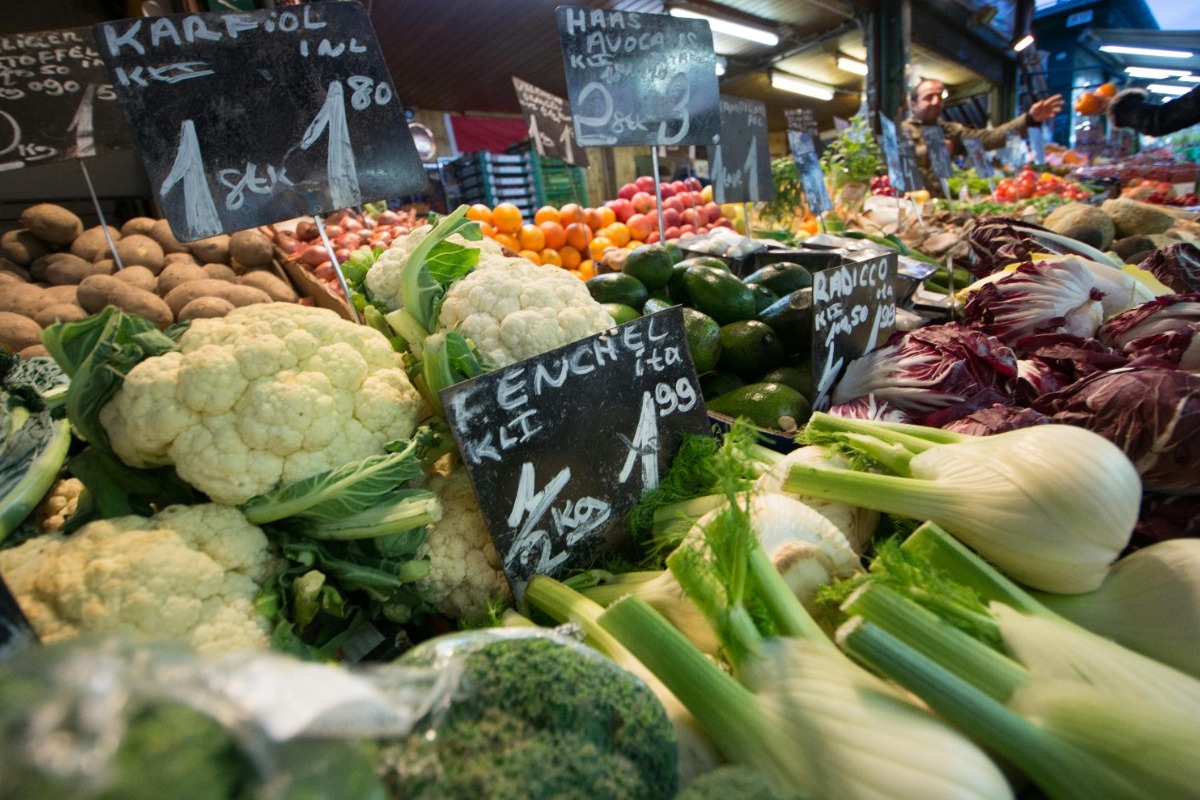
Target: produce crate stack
x=557, y=182
x=493, y=178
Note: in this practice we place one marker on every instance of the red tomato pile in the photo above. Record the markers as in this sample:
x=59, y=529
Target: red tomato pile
x=347, y=230
x=1029, y=184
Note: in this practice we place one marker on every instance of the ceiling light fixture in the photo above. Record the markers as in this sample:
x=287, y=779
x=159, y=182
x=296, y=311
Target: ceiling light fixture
x=1023, y=42
x=1144, y=51
x=729, y=28
x=721, y=65
x=1155, y=74
x=790, y=83
x=1166, y=88
x=847, y=64
x=1190, y=78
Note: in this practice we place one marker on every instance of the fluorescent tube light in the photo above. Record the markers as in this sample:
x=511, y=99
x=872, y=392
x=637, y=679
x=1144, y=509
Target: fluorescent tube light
x=1166, y=88
x=1156, y=74
x=789, y=83
x=721, y=65
x=1190, y=78
x=847, y=64
x=1023, y=42
x=729, y=28
x=1144, y=51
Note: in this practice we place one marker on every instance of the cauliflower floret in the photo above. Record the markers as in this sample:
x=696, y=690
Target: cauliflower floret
x=264, y=396
x=386, y=274
x=464, y=567
x=189, y=573
x=514, y=309
x=59, y=504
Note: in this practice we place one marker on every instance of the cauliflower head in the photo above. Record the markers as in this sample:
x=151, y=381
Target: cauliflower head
x=262, y=397
x=387, y=273
x=464, y=567
x=514, y=309
x=189, y=574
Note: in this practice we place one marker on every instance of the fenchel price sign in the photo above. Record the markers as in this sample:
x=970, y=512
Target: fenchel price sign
x=639, y=79
x=558, y=456
x=740, y=164
x=245, y=119
x=56, y=100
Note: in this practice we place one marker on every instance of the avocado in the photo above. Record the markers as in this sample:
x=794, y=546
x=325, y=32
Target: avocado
x=782, y=278
x=750, y=348
x=718, y=293
x=767, y=405
x=703, y=339
x=617, y=287
x=791, y=317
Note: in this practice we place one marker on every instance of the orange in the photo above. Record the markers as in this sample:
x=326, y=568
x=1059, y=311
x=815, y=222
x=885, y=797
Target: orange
x=506, y=218
x=531, y=238
x=508, y=240
x=545, y=214
x=1107, y=90
x=487, y=230
x=480, y=213
x=607, y=216
x=618, y=233
x=569, y=214
x=1088, y=104
x=592, y=218
x=578, y=235
x=556, y=237
x=531, y=255
x=570, y=256
x=587, y=269
x=551, y=256
x=597, y=246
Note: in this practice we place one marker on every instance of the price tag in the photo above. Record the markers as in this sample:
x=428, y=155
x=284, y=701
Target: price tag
x=939, y=154
x=557, y=458
x=1037, y=144
x=741, y=162
x=908, y=165
x=805, y=121
x=549, y=121
x=639, y=79
x=891, y=154
x=251, y=118
x=812, y=178
x=1014, y=150
x=854, y=311
x=16, y=634
x=977, y=156
x=56, y=100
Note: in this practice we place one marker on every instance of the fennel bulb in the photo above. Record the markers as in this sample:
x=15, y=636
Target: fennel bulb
x=1150, y=603
x=1050, y=505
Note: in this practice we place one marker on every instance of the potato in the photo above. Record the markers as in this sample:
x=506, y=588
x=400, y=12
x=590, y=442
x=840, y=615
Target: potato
x=185, y=293
x=91, y=244
x=25, y=299
x=142, y=225
x=175, y=274
x=214, y=249
x=59, y=312
x=138, y=276
x=69, y=269
x=56, y=295
x=180, y=258
x=220, y=272
x=270, y=283
x=34, y=351
x=52, y=223
x=11, y=277
x=250, y=248
x=161, y=232
x=9, y=268
x=204, y=308
x=98, y=291
x=18, y=332
x=21, y=247
x=139, y=250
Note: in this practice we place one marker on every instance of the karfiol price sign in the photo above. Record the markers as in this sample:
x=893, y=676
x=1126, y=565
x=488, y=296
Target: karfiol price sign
x=812, y=177
x=56, y=100
x=549, y=119
x=559, y=447
x=639, y=79
x=740, y=164
x=250, y=118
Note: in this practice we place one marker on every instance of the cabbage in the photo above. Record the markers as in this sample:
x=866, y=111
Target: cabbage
x=997, y=419
x=1177, y=266
x=997, y=242
x=1162, y=314
x=1052, y=361
x=1047, y=297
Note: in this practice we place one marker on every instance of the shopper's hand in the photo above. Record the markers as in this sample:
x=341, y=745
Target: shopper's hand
x=1043, y=110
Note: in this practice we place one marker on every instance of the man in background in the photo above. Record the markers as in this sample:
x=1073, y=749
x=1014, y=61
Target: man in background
x=926, y=102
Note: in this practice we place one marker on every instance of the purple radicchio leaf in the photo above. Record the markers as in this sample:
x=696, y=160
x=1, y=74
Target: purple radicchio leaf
x=1160, y=315
x=1166, y=516
x=1179, y=348
x=870, y=406
x=997, y=419
x=996, y=242
x=1051, y=361
x=1176, y=266
x=933, y=368
x=1046, y=297
x=1151, y=413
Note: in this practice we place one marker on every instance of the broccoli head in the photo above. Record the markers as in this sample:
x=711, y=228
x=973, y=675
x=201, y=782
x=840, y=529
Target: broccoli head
x=535, y=717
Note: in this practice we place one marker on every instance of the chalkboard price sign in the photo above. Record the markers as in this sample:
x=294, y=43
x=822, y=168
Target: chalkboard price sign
x=854, y=311
x=891, y=154
x=549, y=121
x=639, y=79
x=249, y=118
x=812, y=178
x=1037, y=144
x=56, y=100
x=559, y=447
x=908, y=165
x=977, y=156
x=740, y=164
